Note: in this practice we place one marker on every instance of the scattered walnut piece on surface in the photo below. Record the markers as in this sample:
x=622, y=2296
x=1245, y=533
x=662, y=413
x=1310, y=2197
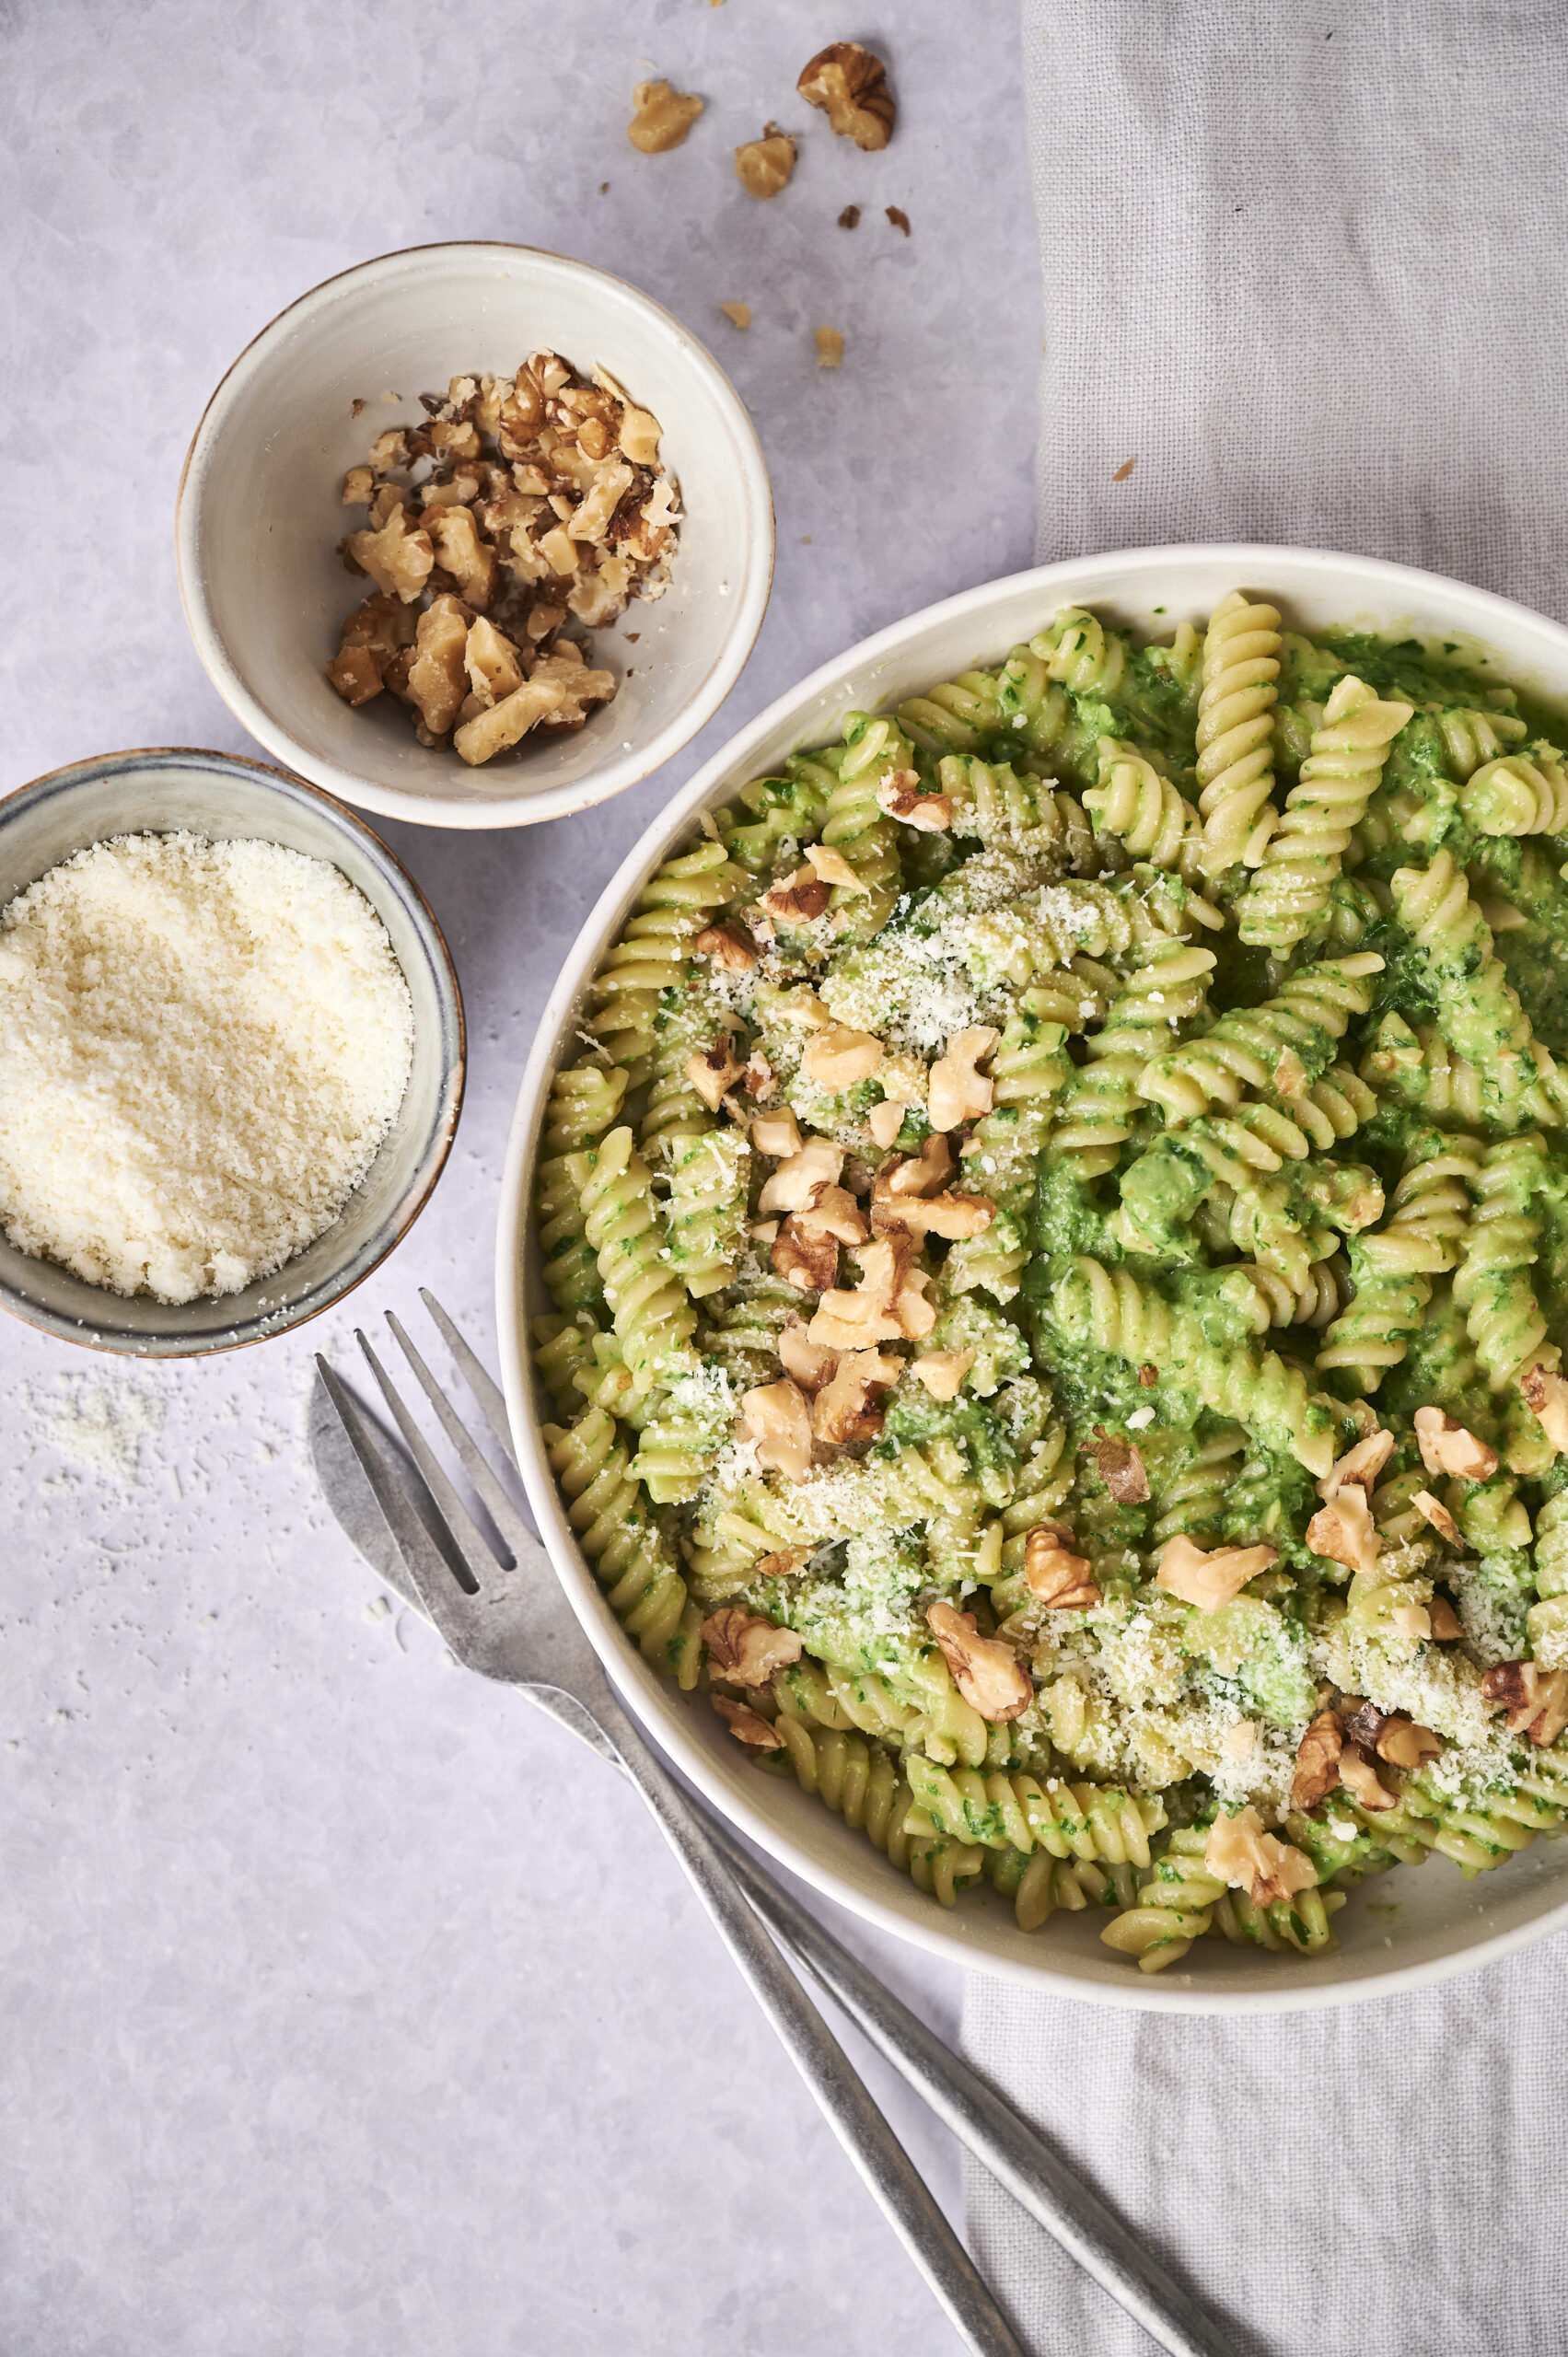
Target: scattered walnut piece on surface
x=1447, y=1447
x=723, y=945
x=847, y=1410
x=738, y=314
x=829, y=347
x=885, y=1122
x=898, y=218
x=1244, y=1855
x=713, y=1070
x=1120, y=1467
x=744, y=1724
x=778, y=1134
x=899, y=795
x=1210, y=1578
x=987, y=1674
x=1438, y=1516
x=1344, y=1531
x=1358, y=1468
x=798, y=899
x=662, y=119
x=809, y=1365
x=1546, y=1396
x=745, y=1647
x=956, y=1091
x=775, y=1416
x=764, y=166
x=835, y=868
x=1053, y=1574
x=1535, y=1699
x=849, y=86
x=1317, y=1761
x=943, y=1371
x=850, y=217
x=837, y=1056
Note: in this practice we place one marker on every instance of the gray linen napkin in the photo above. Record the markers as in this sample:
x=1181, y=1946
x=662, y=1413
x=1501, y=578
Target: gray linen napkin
x=1307, y=266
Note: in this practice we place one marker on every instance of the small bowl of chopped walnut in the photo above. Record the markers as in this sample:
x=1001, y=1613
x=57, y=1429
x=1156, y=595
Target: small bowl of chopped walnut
x=474, y=535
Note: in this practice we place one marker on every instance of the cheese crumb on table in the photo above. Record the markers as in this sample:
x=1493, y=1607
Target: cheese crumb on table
x=201, y=1046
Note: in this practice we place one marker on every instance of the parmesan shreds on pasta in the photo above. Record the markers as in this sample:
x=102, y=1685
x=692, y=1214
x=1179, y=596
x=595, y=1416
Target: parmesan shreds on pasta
x=1059, y=1242
x=201, y=1046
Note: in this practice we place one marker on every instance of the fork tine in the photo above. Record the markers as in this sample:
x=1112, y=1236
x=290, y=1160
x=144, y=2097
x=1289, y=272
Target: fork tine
x=467, y=1539
x=509, y=1519
x=480, y=1381
x=442, y=1599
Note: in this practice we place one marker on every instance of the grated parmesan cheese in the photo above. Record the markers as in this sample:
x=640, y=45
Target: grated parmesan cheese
x=201, y=1046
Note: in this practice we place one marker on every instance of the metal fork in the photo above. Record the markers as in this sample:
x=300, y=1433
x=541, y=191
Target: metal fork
x=516, y=1625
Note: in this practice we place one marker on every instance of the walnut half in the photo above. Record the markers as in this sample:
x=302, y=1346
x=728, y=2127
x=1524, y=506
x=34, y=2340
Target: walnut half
x=1268, y=1869
x=745, y=1648
x=1535, y=1699
x=1053, y=1574
x=849, y=86
x=987, y=1674
x=1210, y=1578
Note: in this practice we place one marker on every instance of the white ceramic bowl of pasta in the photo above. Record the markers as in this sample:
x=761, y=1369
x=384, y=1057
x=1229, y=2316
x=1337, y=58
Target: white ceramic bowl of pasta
x=259, y=520
x=1430, y=1921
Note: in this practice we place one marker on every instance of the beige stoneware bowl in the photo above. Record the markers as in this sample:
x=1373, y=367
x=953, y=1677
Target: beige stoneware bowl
x=1435, y=1922
x=259, y=520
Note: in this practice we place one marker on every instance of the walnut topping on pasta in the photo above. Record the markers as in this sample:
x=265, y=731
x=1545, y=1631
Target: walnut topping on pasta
x=1058, y=1238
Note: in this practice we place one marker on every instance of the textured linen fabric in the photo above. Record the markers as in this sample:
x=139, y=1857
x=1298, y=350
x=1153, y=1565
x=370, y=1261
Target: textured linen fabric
x=1309, y=268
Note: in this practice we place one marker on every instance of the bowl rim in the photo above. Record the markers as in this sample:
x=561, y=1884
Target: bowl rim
x=654, y=1703
x=449, y=989
x=617, y=773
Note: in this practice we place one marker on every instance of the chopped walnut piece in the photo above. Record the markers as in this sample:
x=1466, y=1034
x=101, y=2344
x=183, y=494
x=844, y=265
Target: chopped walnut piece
x=1211, y=1577
x=849, y=86
x=846, y=1408
x=917, y=1173
x=1438, y=1516
x=850, y=217
x=829, y=347
x=885, y=1122
x=745, y=1648
x=884, y=1308
x=639, y=437
x=1120, y=1467
x=799, y=899
x=804, y=1360
x=1241, y=1853
x=1148, y=1375
x=438, y=679
x=1053, y=1574
x=1358, y=1468
x=837, y=1056
x=399, y=561
x=723, y=945
x=738, y=314
x=956, y=1091
x=899, y=795
x=759, y=1080
x=1359, y=1778
x=833, y=1211
x=1317, y=1761
x=1445, y=1622
x=898, y=218
x=987, y=1674
x=943, y=1371
x=1404, y=1744
x=358, y=485
x=491, y=732
x=1449, y=1447
x=663, y=117
x=578, y=686
x=1363, y=1722
x=835, y=868
x=804, y=1257
x=949, y=1215
x=494, y=667
x=1535, y=1699
x=1344, y=1532
x=764, y=166
x=713, y=1070
x=1546, y=1396
x=775, y=1416
x=778, y=1134
x=794, y=1184
x=459, y=551
x=355, y=674
x=745, y=1725
x=784, y=1565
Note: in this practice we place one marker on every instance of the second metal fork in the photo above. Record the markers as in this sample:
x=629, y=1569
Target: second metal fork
x=514, y=1624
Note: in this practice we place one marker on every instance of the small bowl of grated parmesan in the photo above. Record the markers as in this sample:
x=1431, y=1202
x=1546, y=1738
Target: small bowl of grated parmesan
x=231, y=1052
x=474, y=535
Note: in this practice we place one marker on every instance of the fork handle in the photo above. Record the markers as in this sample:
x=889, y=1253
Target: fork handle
x=905, y=2199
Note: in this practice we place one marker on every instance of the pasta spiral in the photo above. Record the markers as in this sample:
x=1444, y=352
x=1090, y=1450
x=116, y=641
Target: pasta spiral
x=1144, y=811
x=617, y=1534
x=1521, y=794
x=652, y=953
x=1236, y=765
x=654, y=1319
x=1174, y=1908
x=1290, y=888
x=1492, y=1286
x=1166, y=993
x=1082, y=654
x=1245, y=1048
x=705, y=1215
x=858, y=828
x=1422, y=1239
